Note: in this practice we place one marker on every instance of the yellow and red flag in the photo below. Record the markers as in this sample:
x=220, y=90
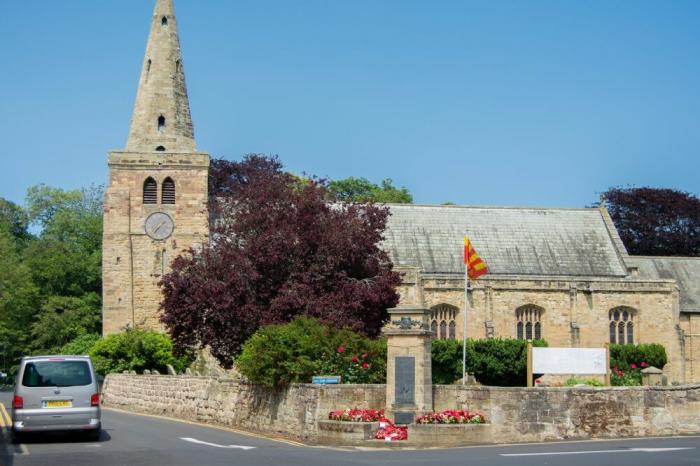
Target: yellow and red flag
x=476, y=267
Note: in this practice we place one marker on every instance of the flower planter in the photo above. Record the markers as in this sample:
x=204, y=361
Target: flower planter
x=346, y=433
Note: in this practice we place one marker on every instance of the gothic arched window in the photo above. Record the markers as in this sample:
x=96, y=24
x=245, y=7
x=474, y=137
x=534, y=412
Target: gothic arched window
x=150, y=191
x=443, y=323
x=528, y=322
x=168, y=195
x=622, y=325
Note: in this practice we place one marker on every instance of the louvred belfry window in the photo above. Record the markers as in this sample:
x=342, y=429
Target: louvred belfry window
x=150, y=191
x=168, y=191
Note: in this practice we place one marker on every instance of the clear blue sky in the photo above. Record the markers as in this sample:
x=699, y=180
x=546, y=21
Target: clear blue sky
x=494, y=102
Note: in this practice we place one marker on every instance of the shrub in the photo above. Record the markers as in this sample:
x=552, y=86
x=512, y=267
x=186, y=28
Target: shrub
x=628, y=361
x=277, y=355
x=136, y=350
x=651, y=354
x=81, y=345
x=500, y=362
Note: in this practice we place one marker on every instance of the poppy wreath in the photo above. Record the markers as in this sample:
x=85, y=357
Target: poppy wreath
x=390, y=432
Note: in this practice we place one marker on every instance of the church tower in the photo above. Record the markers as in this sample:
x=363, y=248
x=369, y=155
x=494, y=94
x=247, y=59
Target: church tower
x=155, y=206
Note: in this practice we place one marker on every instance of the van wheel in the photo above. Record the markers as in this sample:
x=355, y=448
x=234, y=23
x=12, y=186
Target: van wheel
x=93, y=435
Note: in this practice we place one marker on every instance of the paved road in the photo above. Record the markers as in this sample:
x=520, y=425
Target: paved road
x=134, y=440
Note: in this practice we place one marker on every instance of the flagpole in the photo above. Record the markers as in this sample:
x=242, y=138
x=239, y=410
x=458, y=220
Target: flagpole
x=464, y=327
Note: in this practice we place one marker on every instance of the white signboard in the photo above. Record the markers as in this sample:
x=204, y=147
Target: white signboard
x=568, y=361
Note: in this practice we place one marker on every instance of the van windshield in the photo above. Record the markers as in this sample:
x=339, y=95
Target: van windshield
x=56, y=374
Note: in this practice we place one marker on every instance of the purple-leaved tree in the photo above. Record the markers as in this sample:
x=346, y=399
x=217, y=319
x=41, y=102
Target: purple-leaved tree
x=278, y=248
x=656, y=221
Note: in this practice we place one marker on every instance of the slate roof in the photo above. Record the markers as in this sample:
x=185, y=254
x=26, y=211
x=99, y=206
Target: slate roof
x=513, y=241
x=685, y=270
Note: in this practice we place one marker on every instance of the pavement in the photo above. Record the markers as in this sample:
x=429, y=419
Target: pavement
x=133, y=440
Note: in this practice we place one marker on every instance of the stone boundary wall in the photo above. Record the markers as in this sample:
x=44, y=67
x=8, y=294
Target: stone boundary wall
x=292, y=412
x=514, y=414
x=556, y=413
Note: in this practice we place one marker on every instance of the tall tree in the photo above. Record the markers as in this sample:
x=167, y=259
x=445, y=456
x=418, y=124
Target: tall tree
x=14, y=219
x=655, y=221
x=19, y=298
x=278, y=249
x=66, y=258
x=362, y=190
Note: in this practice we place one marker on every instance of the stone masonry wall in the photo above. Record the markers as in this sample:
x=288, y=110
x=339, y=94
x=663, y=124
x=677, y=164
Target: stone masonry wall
x=514, y=414
x=541, y=414
x=292, y=412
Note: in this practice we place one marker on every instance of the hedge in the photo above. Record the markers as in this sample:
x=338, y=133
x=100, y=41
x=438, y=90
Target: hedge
x=496, y=361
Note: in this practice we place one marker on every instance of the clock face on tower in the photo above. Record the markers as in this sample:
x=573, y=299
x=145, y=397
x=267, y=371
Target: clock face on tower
x=159, y=226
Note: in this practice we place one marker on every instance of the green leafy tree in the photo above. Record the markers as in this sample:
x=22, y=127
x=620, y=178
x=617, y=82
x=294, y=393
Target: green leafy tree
x=362, y=190
x=19, y=298
x=14, y=220
x=50, y=284
x=278, y=249
x=66, y=257
x=65, y=318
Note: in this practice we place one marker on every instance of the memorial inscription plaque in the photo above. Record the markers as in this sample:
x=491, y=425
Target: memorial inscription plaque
x=405, y=380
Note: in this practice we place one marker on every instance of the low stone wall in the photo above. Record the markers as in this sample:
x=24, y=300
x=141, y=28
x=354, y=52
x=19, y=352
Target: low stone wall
x=540, y=414
x=513, y=414
x=346, y=433
x=292, y=412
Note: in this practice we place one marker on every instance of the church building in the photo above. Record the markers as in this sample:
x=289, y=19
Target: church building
x=559, y=274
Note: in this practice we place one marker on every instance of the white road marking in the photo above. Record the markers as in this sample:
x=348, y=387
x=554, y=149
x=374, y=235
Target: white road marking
x=200, y=442
x=22, y=449
x=628, y=450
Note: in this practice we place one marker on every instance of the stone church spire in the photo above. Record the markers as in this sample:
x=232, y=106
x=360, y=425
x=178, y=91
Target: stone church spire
x=161, y=121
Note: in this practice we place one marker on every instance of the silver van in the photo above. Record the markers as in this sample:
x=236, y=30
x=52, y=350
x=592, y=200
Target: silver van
x=56, y=393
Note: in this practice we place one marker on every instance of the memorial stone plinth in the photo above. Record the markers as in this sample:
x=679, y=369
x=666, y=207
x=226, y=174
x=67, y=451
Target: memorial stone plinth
x=409, y=380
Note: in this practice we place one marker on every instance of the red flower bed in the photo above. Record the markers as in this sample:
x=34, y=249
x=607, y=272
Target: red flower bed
x=356, y=415
x=452, y=416
x=389, y=432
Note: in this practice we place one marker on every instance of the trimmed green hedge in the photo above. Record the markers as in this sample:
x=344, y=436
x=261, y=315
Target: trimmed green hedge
x=496, y=361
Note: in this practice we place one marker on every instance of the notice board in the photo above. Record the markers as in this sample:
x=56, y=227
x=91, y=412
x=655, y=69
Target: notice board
x=569, y=361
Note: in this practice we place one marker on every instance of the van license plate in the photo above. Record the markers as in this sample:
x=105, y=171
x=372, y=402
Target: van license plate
x=58, y=404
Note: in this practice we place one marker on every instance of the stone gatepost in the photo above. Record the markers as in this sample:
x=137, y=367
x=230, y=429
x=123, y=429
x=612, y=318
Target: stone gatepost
x=409, y=379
